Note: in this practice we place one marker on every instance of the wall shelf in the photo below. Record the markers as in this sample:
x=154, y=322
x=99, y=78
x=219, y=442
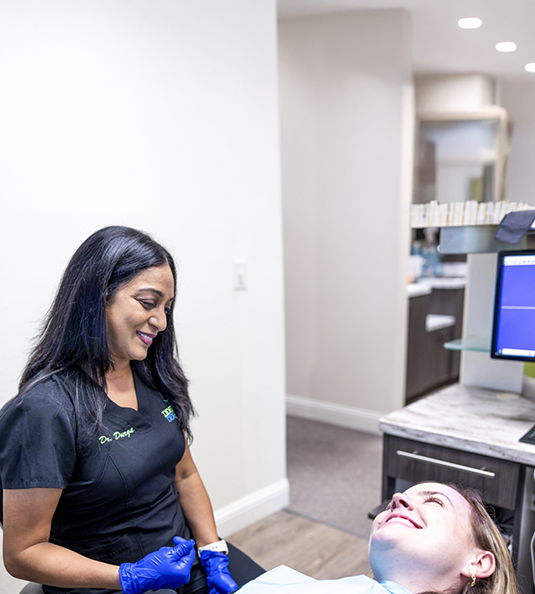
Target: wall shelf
x=475, y=344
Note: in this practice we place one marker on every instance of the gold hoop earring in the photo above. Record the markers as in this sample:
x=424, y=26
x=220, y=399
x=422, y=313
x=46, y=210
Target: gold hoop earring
x=473, y=576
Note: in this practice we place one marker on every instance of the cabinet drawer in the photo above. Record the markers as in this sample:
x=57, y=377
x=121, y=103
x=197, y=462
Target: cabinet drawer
x=415, y=461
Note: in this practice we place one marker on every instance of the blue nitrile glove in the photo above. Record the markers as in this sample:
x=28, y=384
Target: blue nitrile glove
x=218, y=576
x=169, y=567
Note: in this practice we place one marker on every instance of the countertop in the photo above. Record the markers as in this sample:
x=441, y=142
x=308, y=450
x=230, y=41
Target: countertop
x=424, y=285
x=470, y=419
x=442, y=282
x=417, y=289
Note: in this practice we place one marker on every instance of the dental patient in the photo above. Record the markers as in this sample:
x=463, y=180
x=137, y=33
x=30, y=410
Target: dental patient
x=433, y=538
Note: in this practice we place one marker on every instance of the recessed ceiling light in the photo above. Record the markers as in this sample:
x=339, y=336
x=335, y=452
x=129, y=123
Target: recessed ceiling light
x=470, y=23
x=506, y=46
x=530, y=67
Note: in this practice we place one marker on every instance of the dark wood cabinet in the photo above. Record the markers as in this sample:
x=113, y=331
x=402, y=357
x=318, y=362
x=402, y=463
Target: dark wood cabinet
x=500, y=482
x=429, y=364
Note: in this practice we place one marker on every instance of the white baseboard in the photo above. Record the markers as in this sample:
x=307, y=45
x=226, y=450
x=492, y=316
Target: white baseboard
x=251, y=509
x=334, y=414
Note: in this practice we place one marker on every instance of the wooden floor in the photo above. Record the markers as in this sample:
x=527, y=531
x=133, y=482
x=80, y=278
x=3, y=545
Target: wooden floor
x=315, y=549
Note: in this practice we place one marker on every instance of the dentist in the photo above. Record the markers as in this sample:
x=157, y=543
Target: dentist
x=100, y=491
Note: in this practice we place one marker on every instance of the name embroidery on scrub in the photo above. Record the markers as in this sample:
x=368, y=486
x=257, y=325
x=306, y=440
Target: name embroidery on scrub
x=116, y=435
x=169, y=413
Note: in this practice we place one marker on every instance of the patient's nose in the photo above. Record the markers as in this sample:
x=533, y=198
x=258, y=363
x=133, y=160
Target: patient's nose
x=401, y=500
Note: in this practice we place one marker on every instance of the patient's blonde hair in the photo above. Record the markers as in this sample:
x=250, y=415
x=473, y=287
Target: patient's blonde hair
x=488, y=538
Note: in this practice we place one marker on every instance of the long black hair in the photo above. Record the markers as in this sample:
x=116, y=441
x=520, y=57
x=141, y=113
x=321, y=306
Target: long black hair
x=74, y=337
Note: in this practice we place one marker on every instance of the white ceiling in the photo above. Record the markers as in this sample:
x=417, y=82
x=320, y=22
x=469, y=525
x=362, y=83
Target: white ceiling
x=440, y=45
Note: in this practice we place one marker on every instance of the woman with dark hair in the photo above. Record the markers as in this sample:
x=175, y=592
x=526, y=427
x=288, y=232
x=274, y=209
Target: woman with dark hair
x=431, y=539
x=100, y=491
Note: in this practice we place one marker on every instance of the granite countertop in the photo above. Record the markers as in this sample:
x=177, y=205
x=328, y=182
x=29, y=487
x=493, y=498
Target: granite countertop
x=424, y=285
x=470, y=419
x=442, y=282
x=417, y=289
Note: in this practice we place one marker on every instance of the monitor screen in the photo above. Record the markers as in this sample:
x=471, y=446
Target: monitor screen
x=513, y=331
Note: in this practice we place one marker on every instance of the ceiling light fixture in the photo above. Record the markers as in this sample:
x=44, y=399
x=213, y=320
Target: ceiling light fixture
x=470, y=23
x=506, y=46
x=530, y=67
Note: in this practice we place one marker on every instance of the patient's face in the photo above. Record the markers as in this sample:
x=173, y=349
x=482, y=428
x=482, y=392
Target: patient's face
x=428, y=524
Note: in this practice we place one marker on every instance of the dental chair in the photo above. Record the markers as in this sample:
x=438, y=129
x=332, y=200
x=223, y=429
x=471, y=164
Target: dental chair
x=32, y=588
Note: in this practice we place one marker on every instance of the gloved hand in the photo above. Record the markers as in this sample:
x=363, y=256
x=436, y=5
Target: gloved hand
x=218, y=576
x=169, y=567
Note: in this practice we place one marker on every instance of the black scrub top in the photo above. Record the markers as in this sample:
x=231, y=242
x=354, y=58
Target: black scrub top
x=119, y=499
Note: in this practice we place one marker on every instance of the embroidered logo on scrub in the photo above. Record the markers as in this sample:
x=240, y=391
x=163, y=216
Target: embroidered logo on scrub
x=169, y=413
x=116, y=435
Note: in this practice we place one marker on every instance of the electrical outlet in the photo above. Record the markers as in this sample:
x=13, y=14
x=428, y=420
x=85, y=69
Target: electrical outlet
x=240, y=275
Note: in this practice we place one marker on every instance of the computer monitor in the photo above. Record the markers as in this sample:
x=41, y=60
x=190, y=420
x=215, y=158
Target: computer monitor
x=513, y=330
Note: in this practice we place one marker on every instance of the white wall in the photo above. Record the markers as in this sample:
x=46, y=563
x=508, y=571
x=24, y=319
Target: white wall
x=162, y=116
x=518, y=98
x=347, y=116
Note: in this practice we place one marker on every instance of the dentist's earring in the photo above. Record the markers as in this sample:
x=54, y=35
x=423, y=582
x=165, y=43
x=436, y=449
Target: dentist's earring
x=473, y=576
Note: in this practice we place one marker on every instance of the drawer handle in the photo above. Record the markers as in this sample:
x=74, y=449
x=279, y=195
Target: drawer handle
x=444, y=463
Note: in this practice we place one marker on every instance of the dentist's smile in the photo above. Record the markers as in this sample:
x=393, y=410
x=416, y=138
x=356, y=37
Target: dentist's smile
x=146, y=338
